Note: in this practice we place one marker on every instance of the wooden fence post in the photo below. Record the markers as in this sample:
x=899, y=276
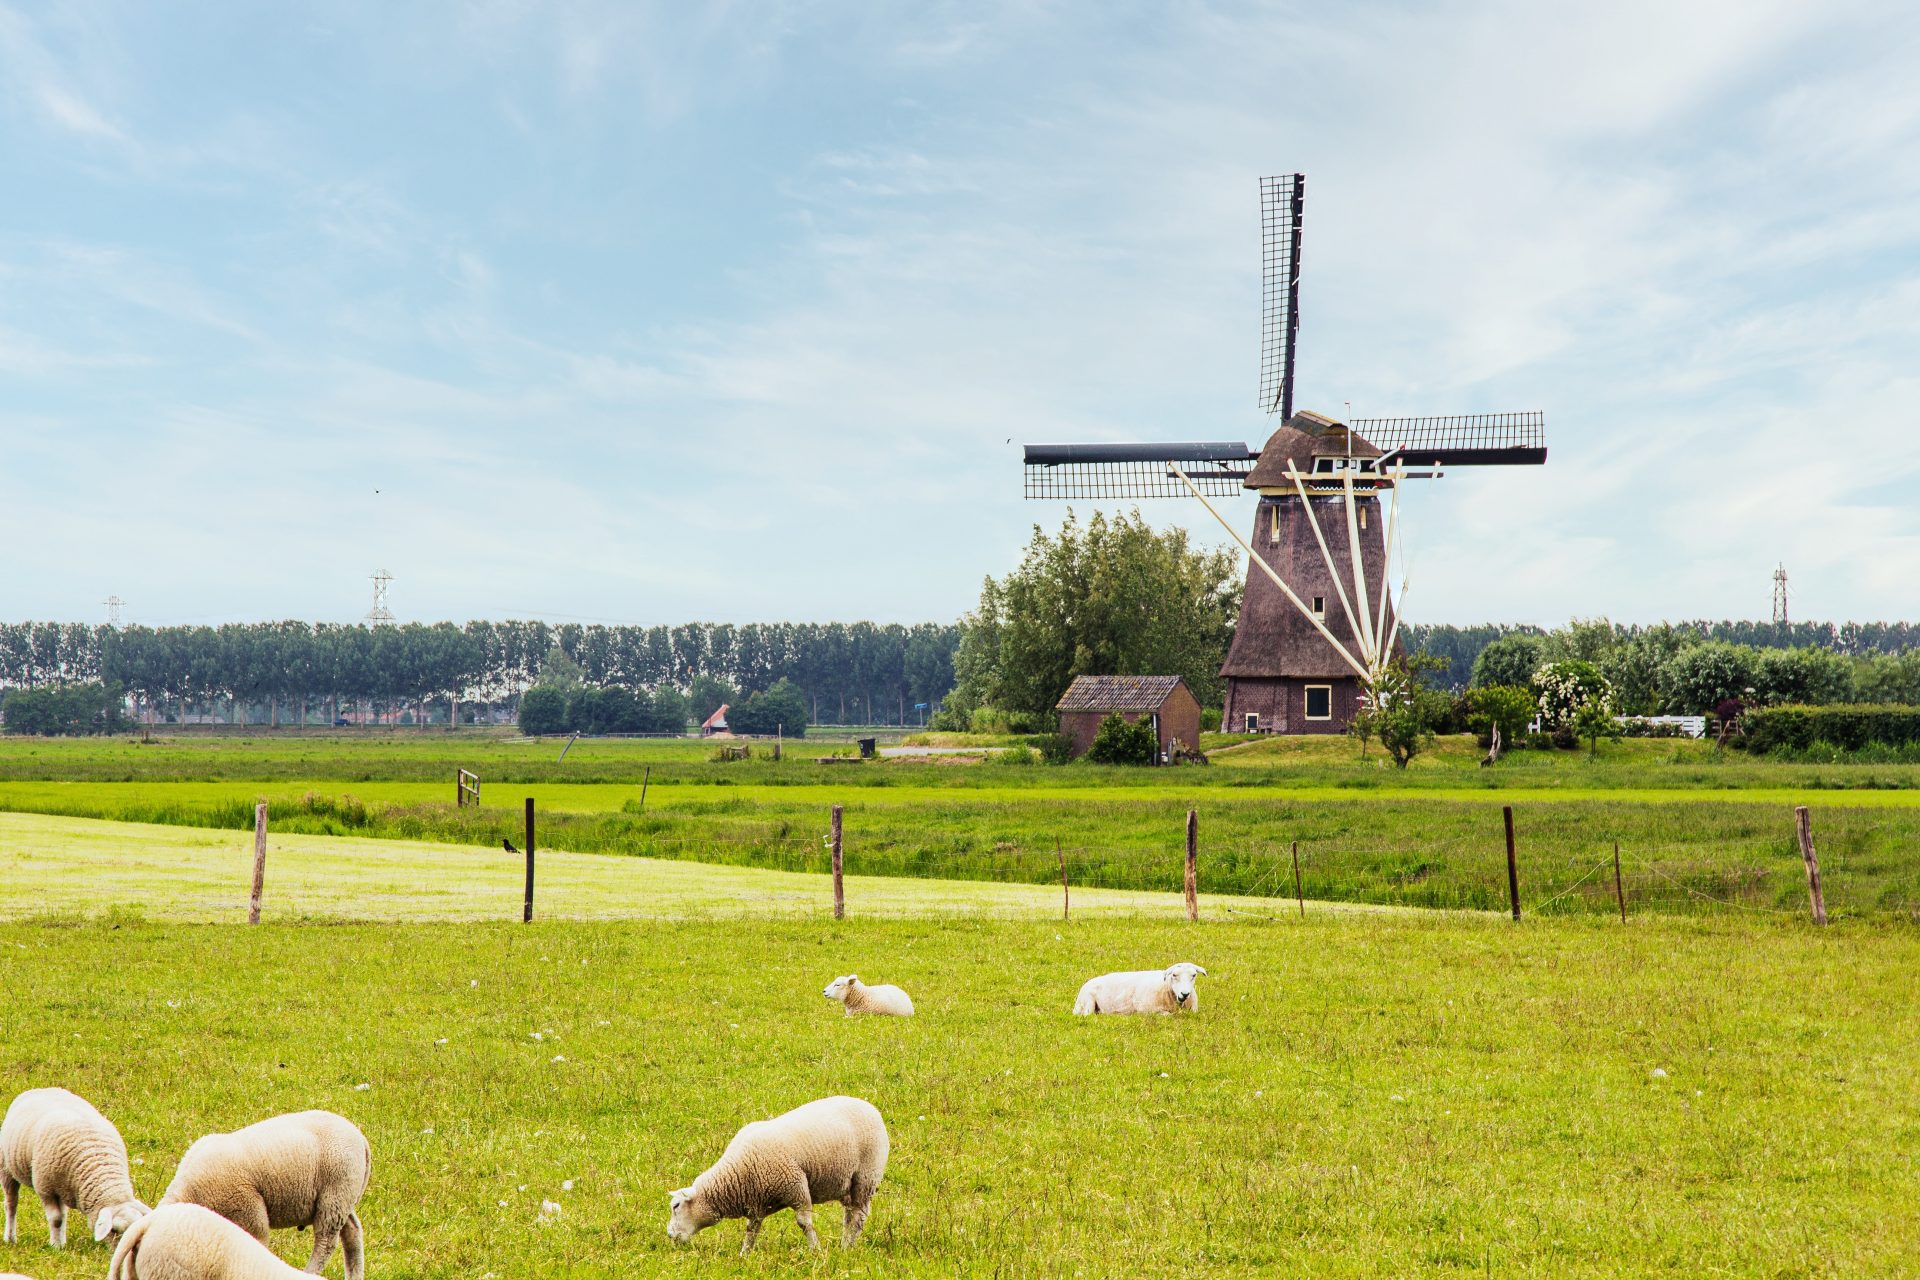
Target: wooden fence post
x=839, y=887
x=1193, y=857
x=1066, y=902
x=1803, y=824
x=1298, y=892
x=1513, y=867
x=645, y=778
x=1619, y=890
x=259, y=862
x=526, y=916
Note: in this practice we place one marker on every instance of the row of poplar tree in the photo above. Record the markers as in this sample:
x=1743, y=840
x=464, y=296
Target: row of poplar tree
x=850, y=673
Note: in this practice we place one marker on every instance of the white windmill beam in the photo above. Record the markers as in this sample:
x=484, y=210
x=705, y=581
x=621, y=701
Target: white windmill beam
x=1361, y=636
x=1386, y=561
x=1366, y=675
x=1359, y=559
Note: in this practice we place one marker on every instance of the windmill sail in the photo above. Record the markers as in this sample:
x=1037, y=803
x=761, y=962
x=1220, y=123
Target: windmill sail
x=1282, y=200
x=1216, y=467
x=1462, y=440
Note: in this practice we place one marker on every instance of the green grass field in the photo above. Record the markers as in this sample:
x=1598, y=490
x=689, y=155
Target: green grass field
x=1366, y=1090
x=1360, y=1094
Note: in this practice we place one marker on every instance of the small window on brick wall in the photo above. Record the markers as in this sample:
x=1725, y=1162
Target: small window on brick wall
x=1319, y=702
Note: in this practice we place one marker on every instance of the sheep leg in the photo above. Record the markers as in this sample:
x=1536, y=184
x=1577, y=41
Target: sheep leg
x=753, y=1234
x=327, y=1228
x=56, y=1221
x=351, y=1242
x=855, y=1223
x=13, y=1207
x=803, y=1214
x=250, y=1216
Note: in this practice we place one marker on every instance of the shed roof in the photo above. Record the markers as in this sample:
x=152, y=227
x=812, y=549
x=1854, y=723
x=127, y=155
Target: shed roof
x=718, y=720
x=1305, y=436
x=1118, y=693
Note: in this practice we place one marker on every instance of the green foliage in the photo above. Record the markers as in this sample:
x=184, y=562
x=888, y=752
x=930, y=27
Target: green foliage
x=1507, y=662
x=1594, y=721
x=543, y=710
x=64, y=709
x=1210, y=719
x=778, y=710
x=1563, y=687
x=1505, y=707
x=1112, y=597
x=1850, y=728
x=558, y=670
x=1805, y=677
x=1118, y=742
x=1700, y=678
x=1402, y=712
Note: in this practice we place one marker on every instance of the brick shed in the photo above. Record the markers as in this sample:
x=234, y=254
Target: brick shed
x=1165, y=700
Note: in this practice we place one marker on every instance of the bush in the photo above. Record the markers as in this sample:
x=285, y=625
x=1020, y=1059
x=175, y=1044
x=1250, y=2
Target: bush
x=1054, y=748
x=64, y=710
x=1503, y=706
x=1210, y=719
x=1118, y=742
x=1509, y=661
x=1565, y=687
x=1698, y=679
x=543, y=710
x=1021, y=755
x=1850, y=728
x=781, y=709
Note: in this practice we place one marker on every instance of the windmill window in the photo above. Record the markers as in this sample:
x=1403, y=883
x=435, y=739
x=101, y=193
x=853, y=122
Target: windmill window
x=1253, y=722
x=1319, y=702
x=1320, y=608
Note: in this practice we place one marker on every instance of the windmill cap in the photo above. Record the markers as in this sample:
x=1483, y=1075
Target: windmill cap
x=1307, y=435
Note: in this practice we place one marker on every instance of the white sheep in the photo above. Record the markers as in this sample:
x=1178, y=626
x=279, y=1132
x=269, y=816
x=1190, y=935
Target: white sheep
x=307, y=1169
x=1142, y=991
x=73, y=1158
x=861, y=998
x=831, y=1149
x=190, y=1242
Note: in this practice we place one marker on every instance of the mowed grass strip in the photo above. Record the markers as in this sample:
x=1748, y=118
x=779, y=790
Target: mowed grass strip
x=1686, y=851
x=1359, y=1095
x=82, y=867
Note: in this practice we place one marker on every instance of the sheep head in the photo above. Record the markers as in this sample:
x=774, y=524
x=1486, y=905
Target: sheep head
x=1179, y=979
x=117, y=1217
x=688, y=1218
x=838, y=988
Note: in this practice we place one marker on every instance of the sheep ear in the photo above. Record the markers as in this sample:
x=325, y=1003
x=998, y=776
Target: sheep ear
x=103, y=1225
x=1202, y=972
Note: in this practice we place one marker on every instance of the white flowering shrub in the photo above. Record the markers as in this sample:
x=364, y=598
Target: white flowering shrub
x=1565, y=687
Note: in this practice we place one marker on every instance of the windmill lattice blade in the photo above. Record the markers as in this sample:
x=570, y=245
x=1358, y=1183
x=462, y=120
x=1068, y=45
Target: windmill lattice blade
x=1218, y=468
x=1462, y=440
x=1282, y=201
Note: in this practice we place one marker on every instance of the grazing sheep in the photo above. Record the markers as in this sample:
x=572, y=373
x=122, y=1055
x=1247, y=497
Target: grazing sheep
x=308, y=1169
x=861, y=998
x=189, y=1242
x=73, y=1158
x=832, y=1149
x=1144, y=991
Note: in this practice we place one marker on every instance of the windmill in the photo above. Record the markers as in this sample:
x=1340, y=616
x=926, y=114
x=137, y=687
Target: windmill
x=1317, y=624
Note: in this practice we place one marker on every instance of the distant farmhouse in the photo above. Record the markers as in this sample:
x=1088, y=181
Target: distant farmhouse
x=715, y=724
x=1164, y=700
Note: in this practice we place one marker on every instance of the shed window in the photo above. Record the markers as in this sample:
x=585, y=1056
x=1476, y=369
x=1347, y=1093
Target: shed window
x=1319, y=702
x=1253, y=722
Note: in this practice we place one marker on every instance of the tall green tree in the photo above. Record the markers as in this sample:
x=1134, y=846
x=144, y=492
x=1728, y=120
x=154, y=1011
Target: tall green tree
x=1110, y=597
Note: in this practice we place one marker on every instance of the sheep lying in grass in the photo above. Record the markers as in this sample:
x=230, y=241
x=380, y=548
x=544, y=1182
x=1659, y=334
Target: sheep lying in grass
x=73, y=1158
x=861, y=998
x=1142, y=991
x=188, y=1242
x=308, y=1169
x=832, y=1149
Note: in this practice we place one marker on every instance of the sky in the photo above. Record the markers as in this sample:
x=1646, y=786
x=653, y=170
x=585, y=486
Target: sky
x=651, y=313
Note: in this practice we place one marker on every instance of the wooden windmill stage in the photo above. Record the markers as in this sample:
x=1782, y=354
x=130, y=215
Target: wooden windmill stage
x=1318, y=625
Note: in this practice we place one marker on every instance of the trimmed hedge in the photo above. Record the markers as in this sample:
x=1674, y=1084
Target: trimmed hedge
x=1848, y=727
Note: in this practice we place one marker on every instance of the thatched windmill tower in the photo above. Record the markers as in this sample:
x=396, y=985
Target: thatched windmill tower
x=1318, y=625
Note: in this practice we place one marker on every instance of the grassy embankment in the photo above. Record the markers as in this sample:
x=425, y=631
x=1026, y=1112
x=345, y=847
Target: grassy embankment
x=1717, y=828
